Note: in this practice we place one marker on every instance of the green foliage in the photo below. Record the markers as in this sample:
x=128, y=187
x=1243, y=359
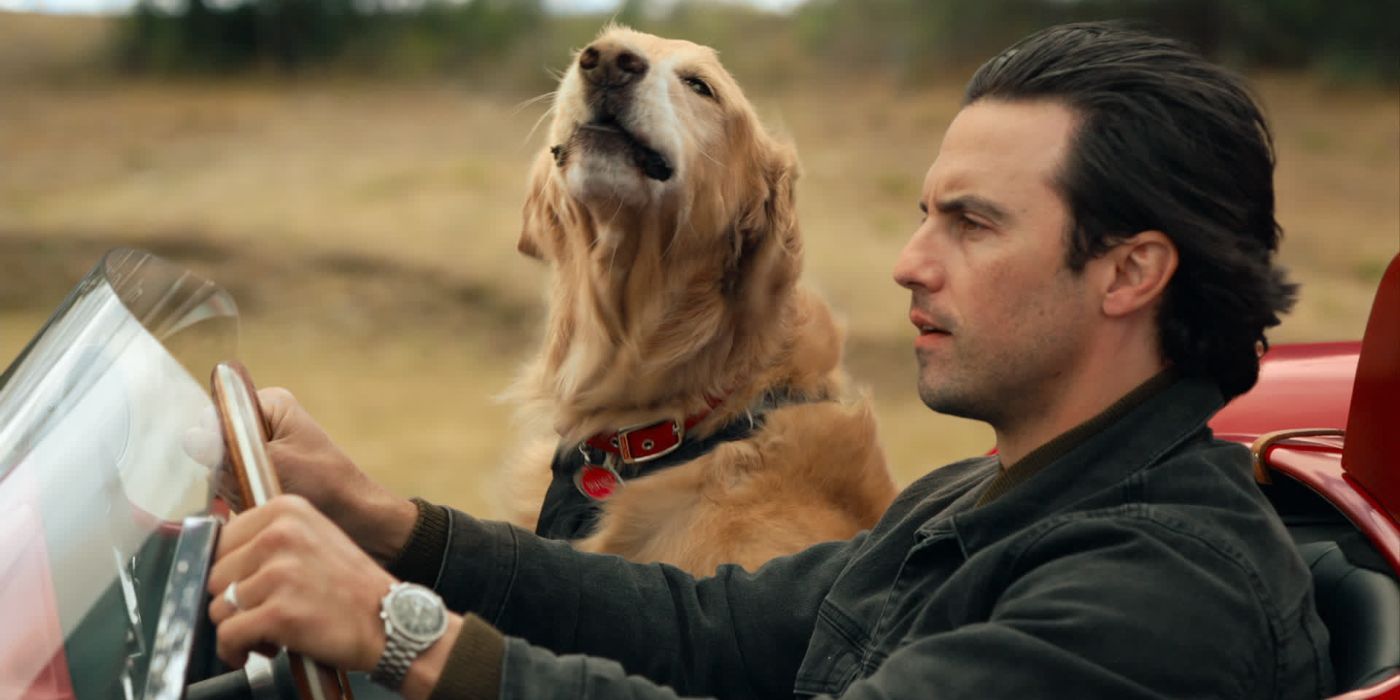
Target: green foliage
x=291, y=35
x=1354, y=39
x=912, y=40
x=442, y=36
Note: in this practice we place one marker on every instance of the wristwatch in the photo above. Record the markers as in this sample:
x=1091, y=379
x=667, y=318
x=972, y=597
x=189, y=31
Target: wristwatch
x=414, y=617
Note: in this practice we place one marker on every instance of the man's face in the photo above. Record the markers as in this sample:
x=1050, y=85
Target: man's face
x=1002, y=321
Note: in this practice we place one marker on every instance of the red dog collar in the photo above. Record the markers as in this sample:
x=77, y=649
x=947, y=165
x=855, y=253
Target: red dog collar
x=647, y=441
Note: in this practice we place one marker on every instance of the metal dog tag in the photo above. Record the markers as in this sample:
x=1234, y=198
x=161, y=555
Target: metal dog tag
x=598, y=481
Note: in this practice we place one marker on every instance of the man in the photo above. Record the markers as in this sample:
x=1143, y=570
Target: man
x=1093, y=278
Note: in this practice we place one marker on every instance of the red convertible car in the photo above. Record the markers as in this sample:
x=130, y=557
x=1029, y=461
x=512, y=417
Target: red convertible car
x=106, y=527
x=1324, y=426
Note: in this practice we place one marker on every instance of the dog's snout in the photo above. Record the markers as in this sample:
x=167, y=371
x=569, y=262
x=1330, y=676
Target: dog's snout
x=588, y=60
x=609, y=65
x=629, y=62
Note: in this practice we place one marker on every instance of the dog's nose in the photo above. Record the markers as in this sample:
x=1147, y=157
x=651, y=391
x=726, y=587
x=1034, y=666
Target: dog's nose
x=610, y=65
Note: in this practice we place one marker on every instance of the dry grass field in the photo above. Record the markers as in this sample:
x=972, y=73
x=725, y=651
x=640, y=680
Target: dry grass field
x=368, y=233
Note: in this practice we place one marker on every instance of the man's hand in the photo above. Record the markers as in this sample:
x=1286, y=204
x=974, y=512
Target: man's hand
x=311, y=466
x=301, y=583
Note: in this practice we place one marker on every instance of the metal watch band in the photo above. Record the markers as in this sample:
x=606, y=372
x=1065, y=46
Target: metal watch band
x=399, y=654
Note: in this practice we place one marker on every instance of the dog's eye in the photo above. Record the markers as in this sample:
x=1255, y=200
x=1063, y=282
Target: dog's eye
x=700, y=87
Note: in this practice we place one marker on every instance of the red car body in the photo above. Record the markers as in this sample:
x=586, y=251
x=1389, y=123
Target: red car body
x=1326, y=416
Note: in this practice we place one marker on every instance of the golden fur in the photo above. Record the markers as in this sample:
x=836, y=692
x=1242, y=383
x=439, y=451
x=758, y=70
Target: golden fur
x=669, y=290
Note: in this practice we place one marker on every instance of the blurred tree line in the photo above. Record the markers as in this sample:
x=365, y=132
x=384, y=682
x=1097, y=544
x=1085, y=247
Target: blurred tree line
x=911, y=39
x=1349, y=39
x=384, y=36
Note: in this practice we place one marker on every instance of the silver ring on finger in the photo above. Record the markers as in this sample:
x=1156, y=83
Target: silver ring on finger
x=231, y=595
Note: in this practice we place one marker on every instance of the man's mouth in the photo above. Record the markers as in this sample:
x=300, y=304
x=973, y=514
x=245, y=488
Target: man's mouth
x=605, y=132
x=927, y=326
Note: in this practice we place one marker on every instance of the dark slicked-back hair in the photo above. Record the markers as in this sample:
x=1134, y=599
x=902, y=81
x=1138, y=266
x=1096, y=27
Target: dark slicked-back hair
x=1166, y=141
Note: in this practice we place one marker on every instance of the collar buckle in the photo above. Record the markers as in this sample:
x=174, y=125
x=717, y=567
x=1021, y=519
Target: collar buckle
x=648, y=435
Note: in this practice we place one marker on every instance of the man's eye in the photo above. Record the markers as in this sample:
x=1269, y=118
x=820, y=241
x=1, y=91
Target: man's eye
x=700, y=87
x=966, y=225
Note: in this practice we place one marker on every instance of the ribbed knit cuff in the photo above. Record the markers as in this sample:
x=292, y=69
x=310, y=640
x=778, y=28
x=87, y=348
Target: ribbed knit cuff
x=420, y=560
x=473, y=667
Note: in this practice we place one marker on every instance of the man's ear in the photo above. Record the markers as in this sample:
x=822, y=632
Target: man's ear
x=1139, y=269
x=539, y=227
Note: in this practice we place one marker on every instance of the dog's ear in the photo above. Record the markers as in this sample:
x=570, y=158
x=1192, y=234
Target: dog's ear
x=768, y=246
x=781, y=207
x=539, y=227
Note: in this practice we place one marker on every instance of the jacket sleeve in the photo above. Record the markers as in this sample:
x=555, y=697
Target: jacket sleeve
x=538, y=674
x=736, y=634
x=1105, y=608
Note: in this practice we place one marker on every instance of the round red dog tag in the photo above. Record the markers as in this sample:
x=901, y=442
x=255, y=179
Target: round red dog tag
x=597, y=482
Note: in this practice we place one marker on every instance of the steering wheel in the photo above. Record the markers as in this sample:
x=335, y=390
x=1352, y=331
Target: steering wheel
x=245, y=433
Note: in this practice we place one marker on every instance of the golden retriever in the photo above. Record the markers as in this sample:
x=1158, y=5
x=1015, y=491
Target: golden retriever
x=666, y=214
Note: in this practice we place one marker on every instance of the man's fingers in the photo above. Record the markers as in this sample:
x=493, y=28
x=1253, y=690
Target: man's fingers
x=254, y=521
x=277, y=404
x=251, y=591
x=240, y=530
x=281, y=524
x=237, y=566
x=275, y=624
x=260, y=630
x=204, y=446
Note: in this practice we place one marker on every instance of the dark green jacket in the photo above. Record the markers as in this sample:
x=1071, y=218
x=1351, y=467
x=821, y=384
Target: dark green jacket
x=1142, y=562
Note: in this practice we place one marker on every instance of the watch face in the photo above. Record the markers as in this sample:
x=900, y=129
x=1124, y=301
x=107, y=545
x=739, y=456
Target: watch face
x=418, y=614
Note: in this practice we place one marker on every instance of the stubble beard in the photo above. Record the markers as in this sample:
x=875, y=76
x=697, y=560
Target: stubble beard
x=1000, y=389
x=1007, y=381
x=955, y=390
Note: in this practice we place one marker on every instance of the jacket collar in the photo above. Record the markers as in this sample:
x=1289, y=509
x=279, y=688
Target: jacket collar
x=1046, y=454
x=1140, y=438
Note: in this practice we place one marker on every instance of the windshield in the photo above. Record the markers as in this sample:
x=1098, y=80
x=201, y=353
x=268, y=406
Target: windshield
x=101, y=420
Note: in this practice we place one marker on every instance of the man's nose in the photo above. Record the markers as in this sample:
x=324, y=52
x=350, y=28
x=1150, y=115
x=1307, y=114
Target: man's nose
x=610, y=65
x=918, y=265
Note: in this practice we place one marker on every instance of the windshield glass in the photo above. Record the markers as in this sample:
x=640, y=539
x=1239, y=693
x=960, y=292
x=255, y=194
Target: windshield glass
x=106, y=429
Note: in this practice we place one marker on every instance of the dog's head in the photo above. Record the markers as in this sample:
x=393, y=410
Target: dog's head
x=667, y=213
x=655, y=130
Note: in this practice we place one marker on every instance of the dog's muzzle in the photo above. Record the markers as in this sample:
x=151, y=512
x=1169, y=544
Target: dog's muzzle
x=610, y=75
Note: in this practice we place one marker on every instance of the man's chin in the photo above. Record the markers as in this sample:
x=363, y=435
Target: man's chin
x=951, y=402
